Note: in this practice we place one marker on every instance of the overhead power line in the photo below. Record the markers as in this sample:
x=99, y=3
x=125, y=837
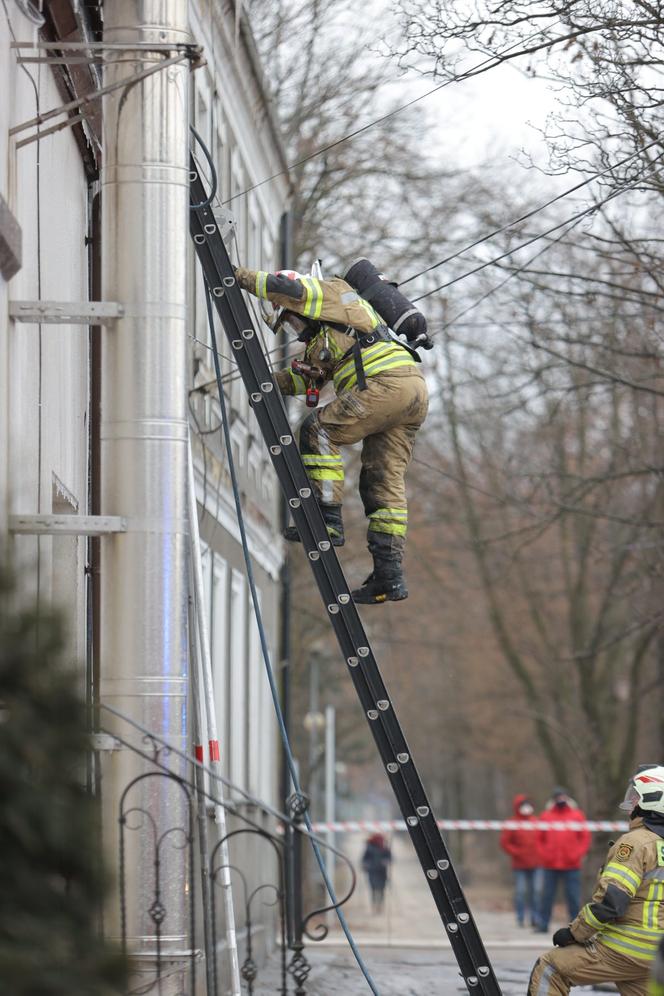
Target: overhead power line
x=529, y=214
x=535, y=238
x=481, y=67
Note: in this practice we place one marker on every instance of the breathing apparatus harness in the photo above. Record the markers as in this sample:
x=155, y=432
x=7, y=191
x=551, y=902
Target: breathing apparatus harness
x=394, y=310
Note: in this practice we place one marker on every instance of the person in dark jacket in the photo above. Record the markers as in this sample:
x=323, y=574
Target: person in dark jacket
x=375, y=862
x=522, y=845
x=562, y=852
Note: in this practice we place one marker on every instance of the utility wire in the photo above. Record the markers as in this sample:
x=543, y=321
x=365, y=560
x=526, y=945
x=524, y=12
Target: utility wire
x=266, y=653
x=535, y=238
x=529, y=214
x=481, y=67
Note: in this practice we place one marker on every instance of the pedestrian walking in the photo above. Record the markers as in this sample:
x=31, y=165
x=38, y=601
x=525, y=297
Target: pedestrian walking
x=561, y=853
x=375, y=862
x=616, y=935
x=522, y=845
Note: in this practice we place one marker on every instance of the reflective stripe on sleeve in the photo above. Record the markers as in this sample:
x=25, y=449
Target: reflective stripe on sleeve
x=620, y=873
x=261, y=283
x=313, y=304
x=591, y=919
x=299, y=383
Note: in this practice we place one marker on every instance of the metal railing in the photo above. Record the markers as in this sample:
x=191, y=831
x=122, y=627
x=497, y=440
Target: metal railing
x=171, y=850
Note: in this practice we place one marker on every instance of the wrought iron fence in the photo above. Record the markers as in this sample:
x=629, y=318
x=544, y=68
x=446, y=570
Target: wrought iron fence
x=168, y=856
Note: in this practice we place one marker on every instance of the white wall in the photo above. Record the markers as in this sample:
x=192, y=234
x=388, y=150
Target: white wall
x=45, y=433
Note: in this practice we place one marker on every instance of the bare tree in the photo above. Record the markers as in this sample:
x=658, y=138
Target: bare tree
x=369, y=194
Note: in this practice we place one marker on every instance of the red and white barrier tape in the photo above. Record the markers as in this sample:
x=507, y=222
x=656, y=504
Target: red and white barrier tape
x=374, y=826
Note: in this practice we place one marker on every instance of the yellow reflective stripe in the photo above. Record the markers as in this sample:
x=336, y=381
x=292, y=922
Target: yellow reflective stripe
x=385, y=526
x=651, y=906
x=379, y=367
x=298, y=383
x=591, y=919
x=400, y=359
x=389, y=513
x=370, y=353
x=628, y=947
x=315, y=458
x=631, y=930
x=314, y=301
x=261, y=283
x=375, y=319
x=375, y=360
x=326, y=473
x=619, y=873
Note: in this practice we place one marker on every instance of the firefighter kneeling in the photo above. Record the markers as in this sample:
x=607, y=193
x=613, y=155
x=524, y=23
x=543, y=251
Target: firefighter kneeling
x=615, y=936
x=381, y=399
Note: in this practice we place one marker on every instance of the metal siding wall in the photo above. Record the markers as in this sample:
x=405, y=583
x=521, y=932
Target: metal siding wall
x=57, y=253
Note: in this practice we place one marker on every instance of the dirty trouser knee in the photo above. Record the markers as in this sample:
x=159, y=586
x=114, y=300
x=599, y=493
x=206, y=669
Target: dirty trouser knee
x=561, y=968
x=322, y=460
x=391, y=409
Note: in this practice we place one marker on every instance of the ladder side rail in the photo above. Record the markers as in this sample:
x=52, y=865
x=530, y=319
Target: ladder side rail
x=269, y=409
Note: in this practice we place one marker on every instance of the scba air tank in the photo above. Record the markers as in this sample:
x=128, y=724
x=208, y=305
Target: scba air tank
x=393, y=307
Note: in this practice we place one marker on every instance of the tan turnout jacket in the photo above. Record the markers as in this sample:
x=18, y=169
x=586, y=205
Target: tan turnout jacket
x=626, y=912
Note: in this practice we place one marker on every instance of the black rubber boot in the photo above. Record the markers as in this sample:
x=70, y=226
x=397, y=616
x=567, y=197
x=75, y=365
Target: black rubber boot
x=333, y=521
x=386, y=582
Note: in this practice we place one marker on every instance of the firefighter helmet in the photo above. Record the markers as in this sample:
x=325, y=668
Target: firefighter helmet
x=645, y=790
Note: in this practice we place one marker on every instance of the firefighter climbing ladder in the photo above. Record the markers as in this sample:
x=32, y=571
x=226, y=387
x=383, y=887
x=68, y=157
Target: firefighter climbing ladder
x=273, y=422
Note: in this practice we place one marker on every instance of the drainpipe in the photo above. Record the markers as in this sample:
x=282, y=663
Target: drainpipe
x=143, y=636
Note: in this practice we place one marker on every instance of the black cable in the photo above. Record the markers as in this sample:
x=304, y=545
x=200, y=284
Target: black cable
x=528, y=214
x=213, y=173
x=266, y=652
x=481, y=67
x=534, y=238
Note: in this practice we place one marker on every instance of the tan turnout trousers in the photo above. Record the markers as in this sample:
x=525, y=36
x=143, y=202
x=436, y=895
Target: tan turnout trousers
x=559, y=969
x=386, y=416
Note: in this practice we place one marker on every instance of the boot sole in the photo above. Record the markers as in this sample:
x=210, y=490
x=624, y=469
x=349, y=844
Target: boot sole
x=379, y=599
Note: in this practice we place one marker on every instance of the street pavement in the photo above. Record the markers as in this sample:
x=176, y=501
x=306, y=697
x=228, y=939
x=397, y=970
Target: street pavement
x=403, y=947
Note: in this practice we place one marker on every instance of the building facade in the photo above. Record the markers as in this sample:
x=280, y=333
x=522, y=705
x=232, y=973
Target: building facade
x=51, y=374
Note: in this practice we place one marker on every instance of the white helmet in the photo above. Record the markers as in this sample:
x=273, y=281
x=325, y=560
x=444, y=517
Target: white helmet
x=645, y=790
x=290, y=274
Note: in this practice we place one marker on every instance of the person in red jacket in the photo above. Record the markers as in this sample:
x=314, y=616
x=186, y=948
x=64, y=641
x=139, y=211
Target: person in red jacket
x=523, y=848
x=562, y=852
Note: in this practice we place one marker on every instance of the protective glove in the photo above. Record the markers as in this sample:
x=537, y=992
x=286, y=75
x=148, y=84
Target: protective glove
x=563, y=937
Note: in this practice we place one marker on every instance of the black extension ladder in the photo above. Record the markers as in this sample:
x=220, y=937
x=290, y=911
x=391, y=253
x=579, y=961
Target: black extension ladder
x=270, y=412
